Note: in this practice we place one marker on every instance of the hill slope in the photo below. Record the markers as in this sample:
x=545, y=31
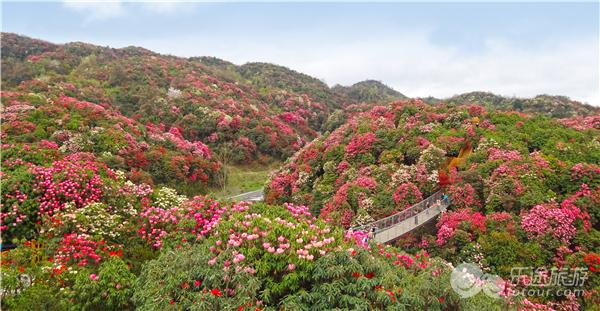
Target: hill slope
x=208, y=101
x=52, y=123
x=369, y=91
x=552, y=106
x=530, y=187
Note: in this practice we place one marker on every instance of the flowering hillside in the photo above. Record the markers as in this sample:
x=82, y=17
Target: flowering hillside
x=254, y=110
x=528, y=194
x=108, y=157
x=201, y=102
x=48, y=126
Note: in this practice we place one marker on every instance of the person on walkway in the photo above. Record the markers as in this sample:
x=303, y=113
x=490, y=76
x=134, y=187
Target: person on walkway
x=365, y=239
x=350, y=232
x=371, y=234
x=445, y=198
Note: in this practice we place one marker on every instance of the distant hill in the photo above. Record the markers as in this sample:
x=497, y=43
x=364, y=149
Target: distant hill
x=266, y=76
x=371, y=91
x=552, y=106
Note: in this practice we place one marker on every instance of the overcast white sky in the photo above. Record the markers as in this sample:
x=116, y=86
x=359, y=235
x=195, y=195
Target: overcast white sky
x=437, y=49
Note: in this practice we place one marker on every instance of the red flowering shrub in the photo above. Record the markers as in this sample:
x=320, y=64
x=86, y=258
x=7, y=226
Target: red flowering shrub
x=463, y=196
x=406, y=195
x=246, y=146
x=464, y=219
x=360, y=144
x=500, y=221
x=592, y=260
x=78, y=249
x=279, y=187
x=476, y=111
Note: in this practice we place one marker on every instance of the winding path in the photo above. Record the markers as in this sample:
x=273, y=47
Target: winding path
x=394, y=226
x=256, y=195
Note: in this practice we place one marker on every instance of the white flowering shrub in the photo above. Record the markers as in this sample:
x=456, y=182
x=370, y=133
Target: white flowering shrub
x=303, y=178
x=173, y=93
x=362, y=218
x=76, y=143
x=167, y=197
x=432, y=157
x=95, y=219
x=487, y=143
x=402, y=175
x=367, y=204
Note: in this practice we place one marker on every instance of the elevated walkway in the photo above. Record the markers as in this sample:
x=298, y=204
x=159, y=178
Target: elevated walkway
x=396, y=225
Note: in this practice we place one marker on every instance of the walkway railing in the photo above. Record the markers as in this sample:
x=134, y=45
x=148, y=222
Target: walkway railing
x=404, y=219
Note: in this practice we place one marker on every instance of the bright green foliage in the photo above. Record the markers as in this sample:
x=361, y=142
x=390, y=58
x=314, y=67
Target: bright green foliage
x=110, y=289
x=182, y=279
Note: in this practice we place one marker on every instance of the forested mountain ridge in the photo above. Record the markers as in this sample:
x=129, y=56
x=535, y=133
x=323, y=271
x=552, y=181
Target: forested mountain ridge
x=549, y=105
x=204, y=102
x=370, y=91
